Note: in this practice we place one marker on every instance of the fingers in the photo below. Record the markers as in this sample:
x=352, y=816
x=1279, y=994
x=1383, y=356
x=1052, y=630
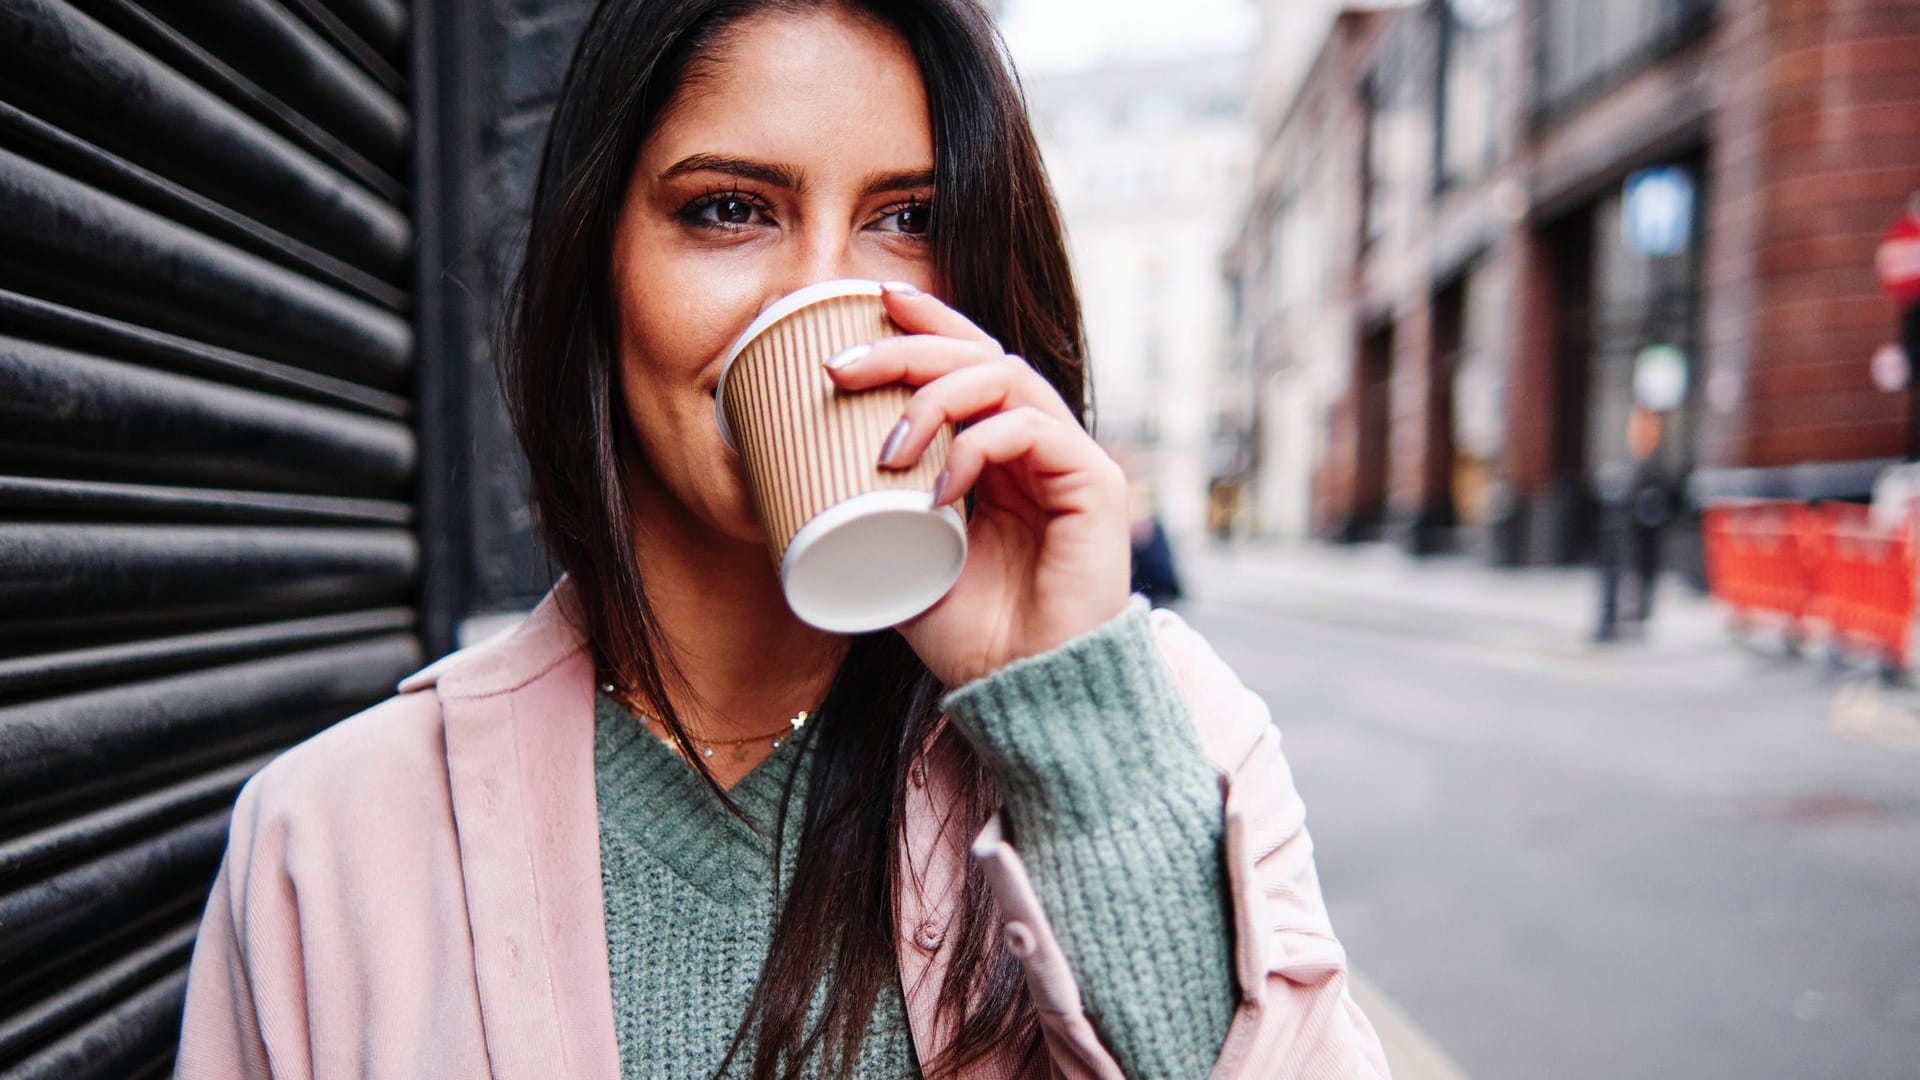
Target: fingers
x=914, y=360
x=919, y=312
x=963, y=395
x=960, y=370
x=1063, y=466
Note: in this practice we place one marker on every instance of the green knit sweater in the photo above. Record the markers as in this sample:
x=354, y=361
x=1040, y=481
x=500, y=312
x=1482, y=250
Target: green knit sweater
x=1110, y=803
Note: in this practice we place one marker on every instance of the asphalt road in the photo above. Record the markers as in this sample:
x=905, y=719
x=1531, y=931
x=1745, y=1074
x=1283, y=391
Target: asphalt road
x=1618, y=865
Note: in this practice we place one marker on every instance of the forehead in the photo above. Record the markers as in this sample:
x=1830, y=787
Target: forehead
x=805, y=88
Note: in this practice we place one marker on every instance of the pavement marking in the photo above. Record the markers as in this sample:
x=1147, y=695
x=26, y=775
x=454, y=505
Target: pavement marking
x=1411, y=1052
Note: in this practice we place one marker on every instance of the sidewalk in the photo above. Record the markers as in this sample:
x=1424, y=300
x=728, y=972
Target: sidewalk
x=1547, y=612
x=1455, y=598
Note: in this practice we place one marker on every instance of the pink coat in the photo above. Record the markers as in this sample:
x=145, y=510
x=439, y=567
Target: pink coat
x=415, y=892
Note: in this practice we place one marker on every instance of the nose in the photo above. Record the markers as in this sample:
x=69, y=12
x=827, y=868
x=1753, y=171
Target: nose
x=832, y=257
x=820, y=254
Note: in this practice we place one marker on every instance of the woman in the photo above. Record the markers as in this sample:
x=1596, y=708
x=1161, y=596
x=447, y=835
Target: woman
x=666, y=829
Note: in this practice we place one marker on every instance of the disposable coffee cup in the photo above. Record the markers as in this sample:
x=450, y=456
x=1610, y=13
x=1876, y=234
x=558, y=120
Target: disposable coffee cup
x=858, y=547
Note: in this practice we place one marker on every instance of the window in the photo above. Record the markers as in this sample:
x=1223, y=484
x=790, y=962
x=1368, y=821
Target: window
x=1586, y=45
x=1399, y=140
x=1296, y=261
x=1472, y=84
x=1379, y=175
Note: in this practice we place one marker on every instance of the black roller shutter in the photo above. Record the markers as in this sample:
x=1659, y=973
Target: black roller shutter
x=208, y=465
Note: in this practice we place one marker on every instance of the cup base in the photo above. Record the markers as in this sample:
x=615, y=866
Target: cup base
x=873, y=561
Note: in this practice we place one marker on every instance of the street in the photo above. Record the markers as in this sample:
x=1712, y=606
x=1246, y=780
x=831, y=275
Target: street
x=1572, y=863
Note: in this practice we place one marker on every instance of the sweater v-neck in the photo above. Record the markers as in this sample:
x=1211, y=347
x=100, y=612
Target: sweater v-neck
x=653, y=798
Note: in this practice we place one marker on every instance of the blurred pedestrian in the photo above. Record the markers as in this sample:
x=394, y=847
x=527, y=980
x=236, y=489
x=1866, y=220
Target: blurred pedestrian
x=665, y=828
x=1636, y=504
x=1154, y=576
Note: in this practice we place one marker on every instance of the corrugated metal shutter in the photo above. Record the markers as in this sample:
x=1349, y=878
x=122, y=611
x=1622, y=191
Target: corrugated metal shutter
x=207, y=466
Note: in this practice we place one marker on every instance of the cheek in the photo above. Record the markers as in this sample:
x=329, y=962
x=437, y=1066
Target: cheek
x=670, y=342
x=678, y=318
x=663, y=384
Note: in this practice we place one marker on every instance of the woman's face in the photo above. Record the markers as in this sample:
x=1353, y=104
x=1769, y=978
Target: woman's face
x=798, y=151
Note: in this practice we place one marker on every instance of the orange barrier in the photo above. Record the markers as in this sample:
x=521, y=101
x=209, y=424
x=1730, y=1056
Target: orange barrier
x=1756, y=561
x=1864, y=578
x=1825, y=564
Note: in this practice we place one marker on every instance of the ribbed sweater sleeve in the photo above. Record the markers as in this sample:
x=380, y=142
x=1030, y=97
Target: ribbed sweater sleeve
x=1117, y=816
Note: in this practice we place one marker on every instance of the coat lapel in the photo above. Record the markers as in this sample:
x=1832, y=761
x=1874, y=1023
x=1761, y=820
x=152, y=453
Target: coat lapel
x=519, y=723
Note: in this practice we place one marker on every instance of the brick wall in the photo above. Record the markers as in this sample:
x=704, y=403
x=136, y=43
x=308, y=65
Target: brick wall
x=1736, y=171
x=1841, y=139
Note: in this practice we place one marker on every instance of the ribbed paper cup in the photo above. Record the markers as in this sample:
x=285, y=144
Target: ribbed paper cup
x=859, y=547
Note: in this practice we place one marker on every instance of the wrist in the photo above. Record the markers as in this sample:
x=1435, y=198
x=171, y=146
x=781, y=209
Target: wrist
x=1081, y=733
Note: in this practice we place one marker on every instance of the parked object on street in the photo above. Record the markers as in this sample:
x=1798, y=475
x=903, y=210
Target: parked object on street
x=1826, y=567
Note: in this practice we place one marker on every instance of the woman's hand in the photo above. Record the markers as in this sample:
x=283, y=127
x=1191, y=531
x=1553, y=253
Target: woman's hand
x=1048, y=555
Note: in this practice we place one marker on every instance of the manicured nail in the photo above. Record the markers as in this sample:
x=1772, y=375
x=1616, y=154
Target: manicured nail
x=940, y=485
x=894, y=438
x=847, y=356
x=903, y=288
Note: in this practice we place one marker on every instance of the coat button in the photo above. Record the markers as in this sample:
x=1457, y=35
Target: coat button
x=929, y=935
x=1019, y=939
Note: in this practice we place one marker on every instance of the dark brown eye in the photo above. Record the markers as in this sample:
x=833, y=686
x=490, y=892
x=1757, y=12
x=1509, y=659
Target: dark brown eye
x=723, y=211
x=913, y=218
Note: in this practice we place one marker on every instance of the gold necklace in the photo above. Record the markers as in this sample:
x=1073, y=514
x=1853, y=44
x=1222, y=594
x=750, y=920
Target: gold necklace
x=706, y=746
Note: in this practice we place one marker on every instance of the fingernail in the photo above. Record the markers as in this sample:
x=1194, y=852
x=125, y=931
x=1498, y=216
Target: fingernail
x=847, y=356
x=940, y=485
x=903, y=288
x=894, y=438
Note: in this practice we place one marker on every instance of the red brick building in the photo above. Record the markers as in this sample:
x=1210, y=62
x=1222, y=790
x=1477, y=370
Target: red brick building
x=1489, y=287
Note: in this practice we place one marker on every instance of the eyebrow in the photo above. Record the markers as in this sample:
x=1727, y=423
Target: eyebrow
x=789, y=178
x=777, y=175
x=895, y=181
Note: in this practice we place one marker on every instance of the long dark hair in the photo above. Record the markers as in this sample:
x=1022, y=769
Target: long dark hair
x=998, y=256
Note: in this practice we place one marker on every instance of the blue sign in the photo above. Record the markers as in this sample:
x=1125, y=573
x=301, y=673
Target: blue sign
x=1656, y=216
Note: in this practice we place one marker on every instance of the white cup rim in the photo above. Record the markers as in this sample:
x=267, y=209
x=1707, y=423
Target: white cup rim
x=806, y=296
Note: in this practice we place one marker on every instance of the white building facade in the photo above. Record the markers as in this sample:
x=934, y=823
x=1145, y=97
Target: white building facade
x=1150, y=162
